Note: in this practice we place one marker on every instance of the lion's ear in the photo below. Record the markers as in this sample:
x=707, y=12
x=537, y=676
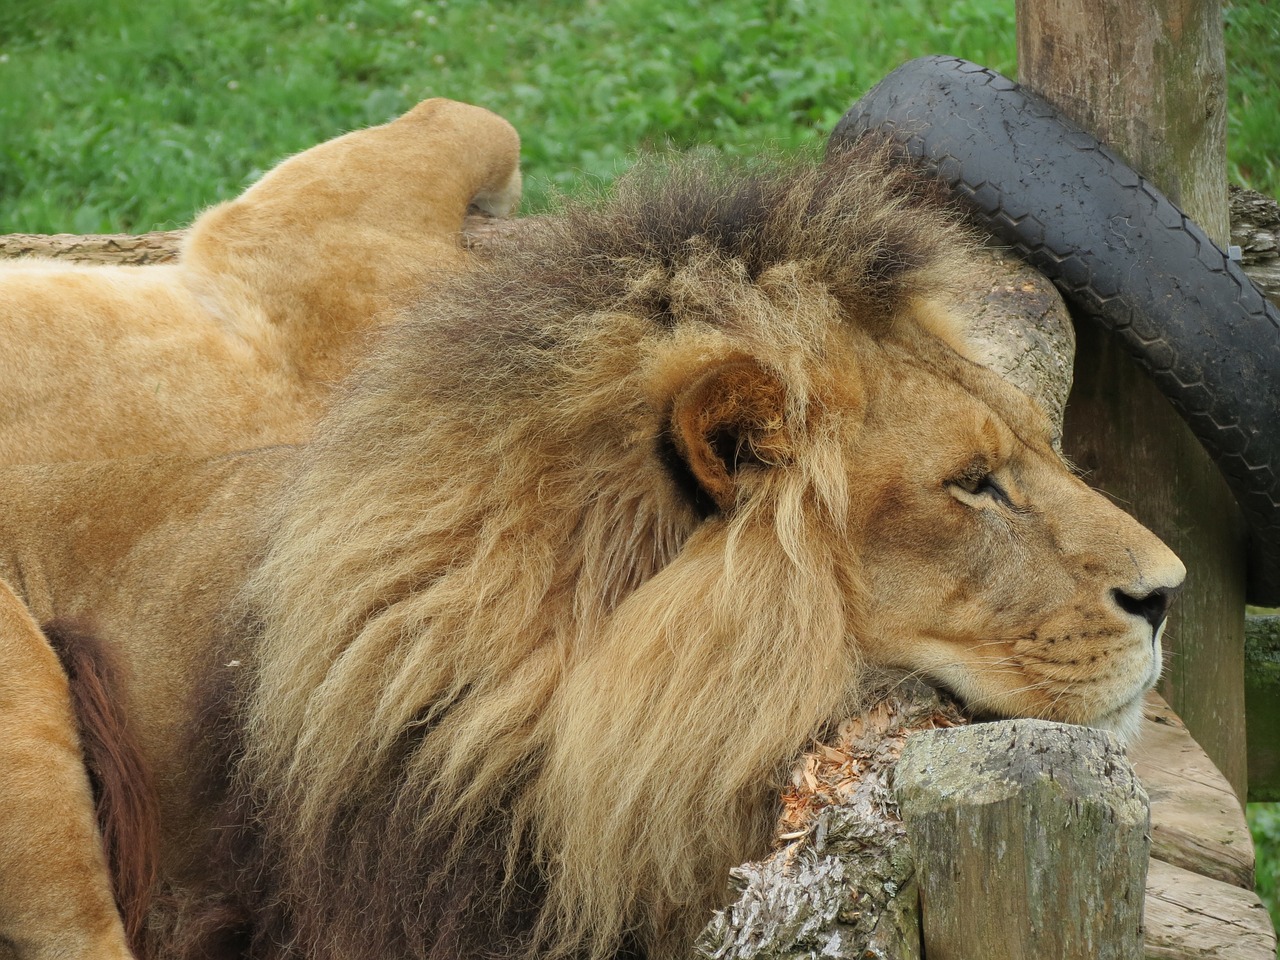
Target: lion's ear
x=727, y=423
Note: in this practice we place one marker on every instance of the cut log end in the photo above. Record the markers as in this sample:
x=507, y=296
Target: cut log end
x=1009, y=821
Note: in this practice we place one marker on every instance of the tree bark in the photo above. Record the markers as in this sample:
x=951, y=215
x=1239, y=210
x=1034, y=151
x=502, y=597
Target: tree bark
x=1255, y=229
x=842, y=883
x=117, y=248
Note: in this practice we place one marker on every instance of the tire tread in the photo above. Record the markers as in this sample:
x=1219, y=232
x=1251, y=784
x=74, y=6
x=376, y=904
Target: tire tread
x=1120, y=252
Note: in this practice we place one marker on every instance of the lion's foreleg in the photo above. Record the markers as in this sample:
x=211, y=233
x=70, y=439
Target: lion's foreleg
x=55, y=895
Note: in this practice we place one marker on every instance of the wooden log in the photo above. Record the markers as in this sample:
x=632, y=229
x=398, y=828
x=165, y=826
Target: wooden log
x=1255, y=229
x=1030, y=841
x=841, y=884
x=1127, y=439
x=1200, y=900
x=1019, y=322
x=118, y=248
x=848, y=866
x=1196, y=821
x=1148, y=78
x=1190, y=917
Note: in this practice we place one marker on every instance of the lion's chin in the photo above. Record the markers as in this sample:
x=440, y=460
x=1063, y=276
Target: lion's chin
x=1125, y=721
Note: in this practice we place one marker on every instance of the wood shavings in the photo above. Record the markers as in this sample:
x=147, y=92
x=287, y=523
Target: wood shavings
x=840, y=883
x=871, y=743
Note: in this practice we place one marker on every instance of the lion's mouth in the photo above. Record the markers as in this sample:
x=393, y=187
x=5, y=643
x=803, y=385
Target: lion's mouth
x=1122, y=720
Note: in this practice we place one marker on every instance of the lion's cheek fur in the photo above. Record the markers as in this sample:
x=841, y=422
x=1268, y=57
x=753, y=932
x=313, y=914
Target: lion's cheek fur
x=670, y=735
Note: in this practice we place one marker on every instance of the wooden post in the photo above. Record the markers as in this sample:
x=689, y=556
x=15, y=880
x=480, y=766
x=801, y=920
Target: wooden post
x=1030, y=839
x=1148, y=77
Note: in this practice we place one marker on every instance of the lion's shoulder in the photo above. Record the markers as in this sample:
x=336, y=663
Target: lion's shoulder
x=240, y=342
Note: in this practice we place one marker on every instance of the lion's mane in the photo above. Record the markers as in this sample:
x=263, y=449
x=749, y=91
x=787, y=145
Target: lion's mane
x=521, y=686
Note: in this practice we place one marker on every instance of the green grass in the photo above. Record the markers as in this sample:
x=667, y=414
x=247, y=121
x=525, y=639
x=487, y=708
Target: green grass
x=1264, y=822
x=132, y=119
x=1252, y=33
x=130, y=116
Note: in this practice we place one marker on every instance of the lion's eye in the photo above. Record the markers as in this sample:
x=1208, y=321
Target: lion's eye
x=981, y=484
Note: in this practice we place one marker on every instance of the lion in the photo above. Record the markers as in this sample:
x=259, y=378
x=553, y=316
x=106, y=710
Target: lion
x=240, y=342
x=512, y=658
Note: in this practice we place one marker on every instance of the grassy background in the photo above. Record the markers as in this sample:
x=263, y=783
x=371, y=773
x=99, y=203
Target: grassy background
x=132, y=116
x=1264, y=821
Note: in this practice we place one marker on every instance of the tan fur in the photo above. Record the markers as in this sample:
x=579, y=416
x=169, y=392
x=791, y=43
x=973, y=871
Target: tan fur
x=240, y=342
x=526, y=638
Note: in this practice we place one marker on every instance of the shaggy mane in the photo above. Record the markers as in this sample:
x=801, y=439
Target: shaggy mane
x=517, y=690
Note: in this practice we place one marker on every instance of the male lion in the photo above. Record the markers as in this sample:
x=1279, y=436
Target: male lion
x=240, y=342
x=513, y=657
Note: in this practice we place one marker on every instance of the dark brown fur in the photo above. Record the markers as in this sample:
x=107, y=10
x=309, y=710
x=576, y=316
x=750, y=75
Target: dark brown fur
x=128, y=815
x=250, y=918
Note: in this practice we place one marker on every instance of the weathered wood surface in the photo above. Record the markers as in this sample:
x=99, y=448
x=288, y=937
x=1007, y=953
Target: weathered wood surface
x=1019, y=321
x=1127, y=439
x=847, y=881
x=118, y=248
x=1190, y=917
x=1262, y=701
x=1255, y=229
x=841, y=884
x=1200, y=900
x=1196, y=821
x=1148, y=77
x=1030, y=839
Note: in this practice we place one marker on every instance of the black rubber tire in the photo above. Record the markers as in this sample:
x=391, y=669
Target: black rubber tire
x=1119, y=251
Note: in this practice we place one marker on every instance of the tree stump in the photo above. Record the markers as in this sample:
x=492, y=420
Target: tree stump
x=1027, y=834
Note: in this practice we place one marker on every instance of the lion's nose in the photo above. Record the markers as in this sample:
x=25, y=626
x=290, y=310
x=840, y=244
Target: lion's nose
x=1152, y=606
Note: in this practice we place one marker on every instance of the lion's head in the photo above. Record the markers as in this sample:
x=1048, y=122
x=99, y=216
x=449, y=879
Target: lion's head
x=604, y=535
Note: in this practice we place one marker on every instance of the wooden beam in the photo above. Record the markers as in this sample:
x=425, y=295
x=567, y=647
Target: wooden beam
x=1149, y=78
x=1196, y=821
x=1189, y=917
